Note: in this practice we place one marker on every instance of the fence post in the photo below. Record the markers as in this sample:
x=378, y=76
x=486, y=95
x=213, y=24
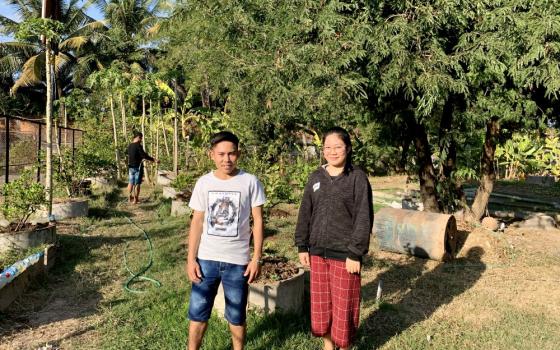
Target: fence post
x=7, y=172
x=39, y=140
x=73, y=144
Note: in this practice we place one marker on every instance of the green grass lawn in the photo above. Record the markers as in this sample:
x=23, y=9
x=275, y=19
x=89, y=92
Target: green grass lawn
x=482, y=300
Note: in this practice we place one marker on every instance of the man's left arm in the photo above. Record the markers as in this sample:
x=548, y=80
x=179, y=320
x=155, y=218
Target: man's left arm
x=254, y=267
x=146, y=156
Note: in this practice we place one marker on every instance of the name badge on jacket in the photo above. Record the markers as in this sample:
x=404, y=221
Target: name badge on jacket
x=316, y=186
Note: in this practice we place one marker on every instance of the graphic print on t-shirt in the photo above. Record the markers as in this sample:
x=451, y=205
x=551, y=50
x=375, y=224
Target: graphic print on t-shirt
x=223, y=213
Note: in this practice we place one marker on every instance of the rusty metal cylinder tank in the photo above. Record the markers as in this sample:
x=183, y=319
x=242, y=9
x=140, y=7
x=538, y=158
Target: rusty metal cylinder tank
x=422, y=234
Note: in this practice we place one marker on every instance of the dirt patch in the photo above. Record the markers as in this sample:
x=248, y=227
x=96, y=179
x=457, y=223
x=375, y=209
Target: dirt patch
x=534, y=240
x=276, y=269
x=279, y=213
x=403, y=182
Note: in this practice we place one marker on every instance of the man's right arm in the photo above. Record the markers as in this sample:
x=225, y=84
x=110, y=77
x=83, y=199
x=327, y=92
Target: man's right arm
x=195, y=231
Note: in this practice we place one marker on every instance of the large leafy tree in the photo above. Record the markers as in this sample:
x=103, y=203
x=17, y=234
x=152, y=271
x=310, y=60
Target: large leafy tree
x=444, y=71
x=273, y=66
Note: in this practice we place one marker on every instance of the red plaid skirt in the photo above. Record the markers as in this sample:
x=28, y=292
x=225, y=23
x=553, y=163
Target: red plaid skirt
x=335, y=300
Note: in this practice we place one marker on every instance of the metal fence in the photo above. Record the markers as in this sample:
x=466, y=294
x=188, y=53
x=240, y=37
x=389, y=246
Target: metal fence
x=22, y=142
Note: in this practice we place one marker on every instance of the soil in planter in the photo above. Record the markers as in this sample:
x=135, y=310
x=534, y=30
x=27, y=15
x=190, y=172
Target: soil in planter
x=27, y=227
x=184, y=195
x=67, y=200
x=275, y=268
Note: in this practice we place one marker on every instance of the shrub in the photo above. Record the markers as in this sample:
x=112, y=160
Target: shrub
x=22, y=197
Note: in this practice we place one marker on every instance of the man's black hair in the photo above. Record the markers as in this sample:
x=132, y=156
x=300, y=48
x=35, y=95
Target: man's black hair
x=136, y=134
x=224, y=136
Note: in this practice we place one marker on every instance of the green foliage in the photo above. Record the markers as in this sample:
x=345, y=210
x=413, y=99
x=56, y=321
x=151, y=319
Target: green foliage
x=517, y=155
x=299, y=172
x=22, y=197
x=276, y=184
x=185, y=181
x=36, y=27
x=273, y=66
x=73, y=169
x=528, y=153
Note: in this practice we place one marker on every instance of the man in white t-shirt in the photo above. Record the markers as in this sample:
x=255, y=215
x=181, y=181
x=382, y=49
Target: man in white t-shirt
x=219, y=236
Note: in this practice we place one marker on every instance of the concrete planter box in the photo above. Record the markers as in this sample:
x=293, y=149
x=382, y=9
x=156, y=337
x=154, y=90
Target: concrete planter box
x=27, y=239
x=99, y=182
x=541, y=180
x=279, y=296
x=165, y=178
x=71, y=209
x=286, y=295
x=17, y=286
x=180, y=208
x=169, y=192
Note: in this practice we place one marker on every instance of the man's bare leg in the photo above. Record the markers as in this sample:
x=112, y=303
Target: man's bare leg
x=136, y=193
x=196, y=333
x=130, y=194
x=237, y=336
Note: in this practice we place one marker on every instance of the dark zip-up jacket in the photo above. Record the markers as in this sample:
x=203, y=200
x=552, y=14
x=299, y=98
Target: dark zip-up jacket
x=336, y=215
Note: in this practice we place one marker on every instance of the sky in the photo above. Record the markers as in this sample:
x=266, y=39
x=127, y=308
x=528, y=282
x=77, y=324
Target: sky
x=8, y=11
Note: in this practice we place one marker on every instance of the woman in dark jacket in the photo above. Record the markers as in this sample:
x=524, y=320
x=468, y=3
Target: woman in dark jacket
x=332, y=235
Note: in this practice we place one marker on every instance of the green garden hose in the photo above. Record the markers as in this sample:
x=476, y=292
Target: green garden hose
x=138, y=276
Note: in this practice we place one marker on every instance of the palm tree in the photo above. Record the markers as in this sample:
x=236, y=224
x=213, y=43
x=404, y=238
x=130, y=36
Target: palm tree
x=132, y=25
x=25, y=59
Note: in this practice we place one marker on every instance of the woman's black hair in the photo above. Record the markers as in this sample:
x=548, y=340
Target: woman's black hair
x=345, y=137
x=224, y=136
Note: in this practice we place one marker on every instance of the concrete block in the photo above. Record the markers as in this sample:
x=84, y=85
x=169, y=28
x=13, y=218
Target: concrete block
x=279, y=296
x=165, y=178
x=27, y=239
x=541, y=180
x=169, y=192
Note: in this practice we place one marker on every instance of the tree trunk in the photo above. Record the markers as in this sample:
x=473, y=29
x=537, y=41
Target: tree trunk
x=167, y=152
x=62, y=108
x=175, y=134
x=123, y=115
x=61, y=168
x=401, y=165
x=205, y=93
x=488, y=175
x=48, y=122
x=426, y=172
x=143, y=123
x=157, y=146
x=115, y=136
x=447, y=143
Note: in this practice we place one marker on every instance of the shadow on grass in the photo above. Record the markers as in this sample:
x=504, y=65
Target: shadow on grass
x=425, y=293
x=269, y=232
x=274, y=330
x=106, y=213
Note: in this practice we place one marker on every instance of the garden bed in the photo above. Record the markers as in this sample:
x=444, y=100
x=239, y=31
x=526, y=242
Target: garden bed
x=15, y=279
x=30, y=236
x=70, y=208
x=280, y=287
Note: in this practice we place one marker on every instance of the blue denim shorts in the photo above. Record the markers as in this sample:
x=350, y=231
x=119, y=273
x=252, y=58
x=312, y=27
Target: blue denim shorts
x=135, y=175
x=235, y=286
